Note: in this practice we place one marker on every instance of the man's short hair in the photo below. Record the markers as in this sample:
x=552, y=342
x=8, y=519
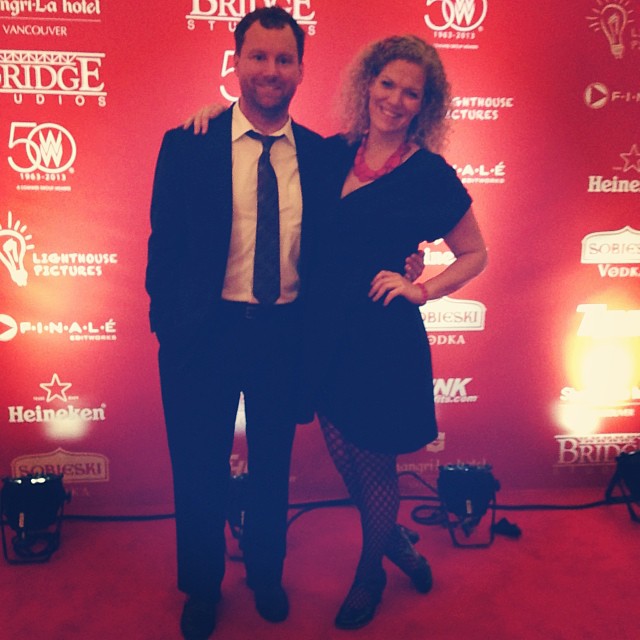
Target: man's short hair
x=269, y=18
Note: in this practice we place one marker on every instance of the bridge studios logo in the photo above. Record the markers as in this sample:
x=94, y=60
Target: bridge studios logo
x=58, y=76
x=596, y=450
x=455, y=23
x=229, y=12
x=614, y=20
x=42, y=155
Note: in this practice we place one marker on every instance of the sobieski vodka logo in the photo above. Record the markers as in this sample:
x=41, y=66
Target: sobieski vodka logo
x=613, y=19
x=228, y=13
x=455, y=23
x=615, y=252
x=15, y=241
x=53, y=75
x=75, y=466
x=455, y=317
x=42, y=155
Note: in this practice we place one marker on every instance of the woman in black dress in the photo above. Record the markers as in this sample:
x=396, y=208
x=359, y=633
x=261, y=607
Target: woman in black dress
x=374, y=383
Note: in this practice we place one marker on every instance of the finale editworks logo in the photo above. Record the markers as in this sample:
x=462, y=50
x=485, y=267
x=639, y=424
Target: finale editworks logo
x=598, y=95
x=56, y=74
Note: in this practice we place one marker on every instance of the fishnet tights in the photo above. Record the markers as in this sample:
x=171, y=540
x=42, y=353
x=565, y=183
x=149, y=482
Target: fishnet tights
x=372, y=483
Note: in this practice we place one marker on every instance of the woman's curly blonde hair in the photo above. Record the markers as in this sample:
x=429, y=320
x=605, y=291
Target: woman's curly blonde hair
x=429, y=127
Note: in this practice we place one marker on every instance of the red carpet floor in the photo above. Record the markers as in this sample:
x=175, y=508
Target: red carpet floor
x=572, y=575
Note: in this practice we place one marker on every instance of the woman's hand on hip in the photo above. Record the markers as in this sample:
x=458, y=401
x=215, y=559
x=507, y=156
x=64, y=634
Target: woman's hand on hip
x=388, y=285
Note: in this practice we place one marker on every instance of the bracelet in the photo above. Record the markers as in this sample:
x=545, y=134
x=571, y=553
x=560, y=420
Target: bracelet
x=425, y=295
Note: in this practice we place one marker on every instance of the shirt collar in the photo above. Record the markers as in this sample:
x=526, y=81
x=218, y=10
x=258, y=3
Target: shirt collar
x=240, y=125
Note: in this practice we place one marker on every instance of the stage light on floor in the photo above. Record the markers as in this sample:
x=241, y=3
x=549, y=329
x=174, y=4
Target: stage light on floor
x=466, y=492
x=32, y=506
x=626, y=479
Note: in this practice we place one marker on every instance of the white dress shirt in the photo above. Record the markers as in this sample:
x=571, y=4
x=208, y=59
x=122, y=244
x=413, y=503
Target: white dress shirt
x=245, y=151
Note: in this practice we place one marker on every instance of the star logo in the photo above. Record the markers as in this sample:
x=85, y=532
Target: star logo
x=56, y=388
x=631, y=159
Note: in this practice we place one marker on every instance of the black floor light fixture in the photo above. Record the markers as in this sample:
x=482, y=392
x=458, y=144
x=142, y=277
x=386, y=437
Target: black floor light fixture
x=466, y=492
x=626, y=478
x=32, y=506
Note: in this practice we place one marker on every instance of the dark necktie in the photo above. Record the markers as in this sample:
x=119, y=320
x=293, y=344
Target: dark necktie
x=266, y=269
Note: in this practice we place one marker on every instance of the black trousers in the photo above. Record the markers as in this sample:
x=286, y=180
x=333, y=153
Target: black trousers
x=245, y=348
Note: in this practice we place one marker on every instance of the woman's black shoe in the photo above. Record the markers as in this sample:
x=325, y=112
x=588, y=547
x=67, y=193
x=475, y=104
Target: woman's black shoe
x=404, y=555
x=361, y=602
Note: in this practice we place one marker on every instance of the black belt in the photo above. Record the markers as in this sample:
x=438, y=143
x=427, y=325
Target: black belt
x=251, y=311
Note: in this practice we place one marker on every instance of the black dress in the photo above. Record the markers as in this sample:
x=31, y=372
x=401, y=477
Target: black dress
x=372, y=363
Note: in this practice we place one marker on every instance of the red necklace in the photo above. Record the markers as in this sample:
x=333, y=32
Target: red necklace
x=364, y=173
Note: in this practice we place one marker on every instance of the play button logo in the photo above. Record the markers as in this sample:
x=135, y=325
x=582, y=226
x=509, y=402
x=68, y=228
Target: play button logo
x=596, y=95
x=8, y=328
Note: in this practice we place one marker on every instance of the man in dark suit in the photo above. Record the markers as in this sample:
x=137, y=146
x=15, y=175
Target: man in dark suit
x=217, y=338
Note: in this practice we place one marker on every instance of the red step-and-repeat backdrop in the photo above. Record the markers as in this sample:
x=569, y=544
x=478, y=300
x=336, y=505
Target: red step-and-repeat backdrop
x=537, y=362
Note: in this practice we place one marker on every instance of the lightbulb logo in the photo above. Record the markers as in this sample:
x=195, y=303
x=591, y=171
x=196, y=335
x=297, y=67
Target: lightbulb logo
x=14, y=243
x=611, y=19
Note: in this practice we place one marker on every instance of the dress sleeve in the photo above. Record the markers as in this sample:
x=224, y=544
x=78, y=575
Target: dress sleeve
x=446, y=199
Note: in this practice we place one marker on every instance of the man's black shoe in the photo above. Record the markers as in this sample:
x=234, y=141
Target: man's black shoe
x=272, y=602
x=198, y=619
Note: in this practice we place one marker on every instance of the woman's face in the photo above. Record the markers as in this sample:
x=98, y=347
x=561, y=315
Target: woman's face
x=395, y=96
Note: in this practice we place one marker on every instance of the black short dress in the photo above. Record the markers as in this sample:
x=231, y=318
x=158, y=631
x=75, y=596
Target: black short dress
x=373, y=376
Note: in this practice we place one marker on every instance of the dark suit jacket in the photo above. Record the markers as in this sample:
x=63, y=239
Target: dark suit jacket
x=191, y=213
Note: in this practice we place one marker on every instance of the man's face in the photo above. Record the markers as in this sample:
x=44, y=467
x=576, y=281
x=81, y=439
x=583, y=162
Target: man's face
x=268, y=72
